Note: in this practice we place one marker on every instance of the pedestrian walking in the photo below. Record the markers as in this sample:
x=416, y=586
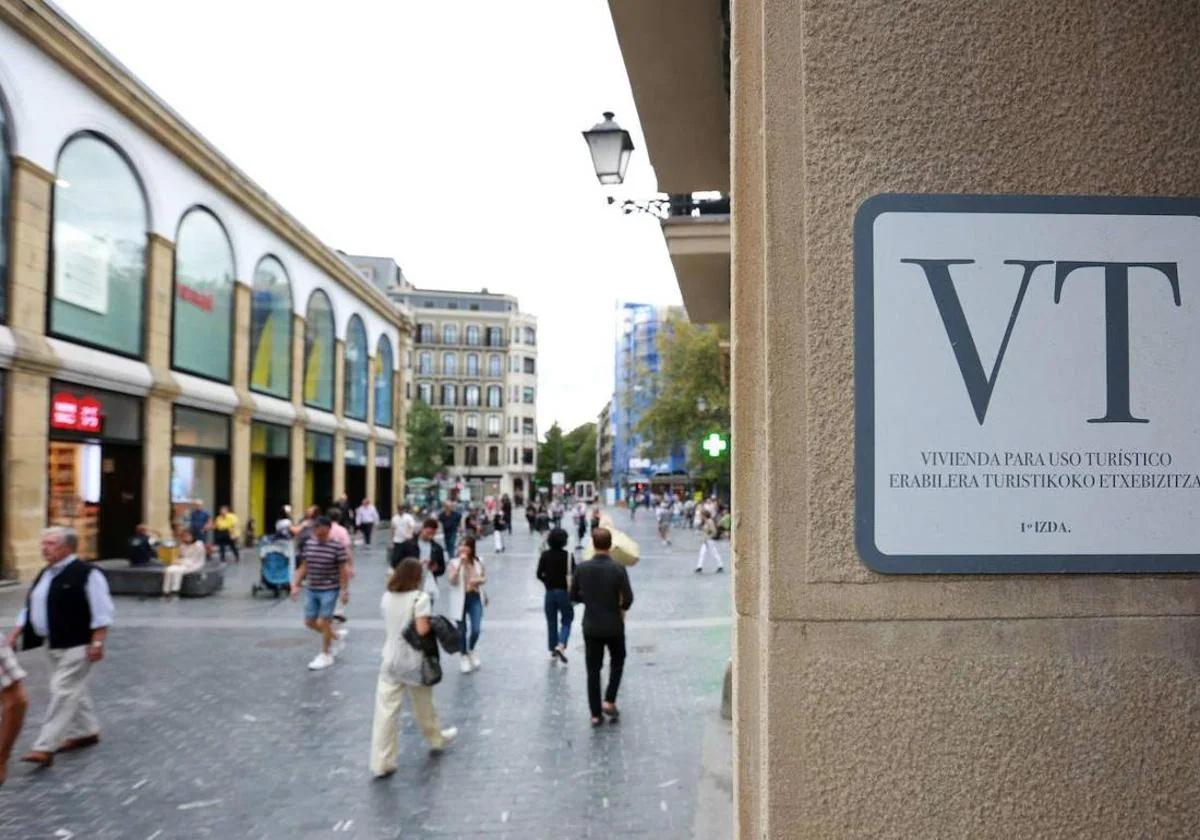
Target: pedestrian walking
x=199, y=520
x=708, y=544
x=581, y=523
x=339, y=533
x=226, y=531
x=554, y=571
x=663, y=516
x=324, y=572
x=506, y=507
x=428, y=553
x=498, y=531
x=450, y=519
x=403, y=603
x=556, y=513
x=193, y=554
x=347, y=511
x=69, y=609
x=595, y=517
x=531, y=515
x=365, y=517
x=467, y=576
x=404, y=525
x=14, y=701
x=603, y=588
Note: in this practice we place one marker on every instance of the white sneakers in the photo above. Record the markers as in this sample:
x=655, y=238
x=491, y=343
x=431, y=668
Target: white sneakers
x=342, y=633
x=465, y=664
x=448, y=735
x=320, y=662
x=474, y=660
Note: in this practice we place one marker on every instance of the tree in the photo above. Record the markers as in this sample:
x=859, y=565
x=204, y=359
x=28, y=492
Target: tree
x=574, y=453
x=424, y=441
x=692, y=400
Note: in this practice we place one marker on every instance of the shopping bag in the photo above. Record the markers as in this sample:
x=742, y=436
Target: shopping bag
x=624, y=549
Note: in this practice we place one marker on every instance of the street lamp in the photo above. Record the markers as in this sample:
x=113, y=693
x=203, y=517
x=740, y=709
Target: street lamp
x=611, y=147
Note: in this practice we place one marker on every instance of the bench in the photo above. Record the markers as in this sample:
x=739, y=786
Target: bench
x=124, y=579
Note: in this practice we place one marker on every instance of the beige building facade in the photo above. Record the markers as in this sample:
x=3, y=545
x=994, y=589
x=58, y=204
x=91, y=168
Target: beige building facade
x=169, y=332
x=919, y=706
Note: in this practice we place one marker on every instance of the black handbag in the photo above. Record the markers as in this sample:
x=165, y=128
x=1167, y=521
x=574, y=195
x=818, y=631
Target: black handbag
x=431, y=670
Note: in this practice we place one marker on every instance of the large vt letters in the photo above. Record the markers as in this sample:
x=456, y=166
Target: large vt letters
x=1116, y=309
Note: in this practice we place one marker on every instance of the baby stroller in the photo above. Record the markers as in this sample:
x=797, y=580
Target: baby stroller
x=275, y=556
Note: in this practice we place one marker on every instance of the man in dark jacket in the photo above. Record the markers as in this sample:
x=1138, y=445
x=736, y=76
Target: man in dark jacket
x=423, y=548
x=68, y=607
x=603, y=588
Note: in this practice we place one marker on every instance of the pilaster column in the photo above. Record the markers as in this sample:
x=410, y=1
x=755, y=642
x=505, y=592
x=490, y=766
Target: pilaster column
x=239, y=444
x=339, y=399
x=296, y=453
x=27, y=387
x=371, y=485
x=158, y=425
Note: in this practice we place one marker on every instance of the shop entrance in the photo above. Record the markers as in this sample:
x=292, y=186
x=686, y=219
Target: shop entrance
x=95, y=468
x=318, y=469
x=270, y=475
x=383, y=481
x=356, y=471
x=199, y=462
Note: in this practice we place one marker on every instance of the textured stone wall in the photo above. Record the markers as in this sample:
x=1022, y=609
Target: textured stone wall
x=876, y=706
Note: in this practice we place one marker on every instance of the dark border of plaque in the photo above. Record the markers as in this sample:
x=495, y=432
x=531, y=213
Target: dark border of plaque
x=864, y=387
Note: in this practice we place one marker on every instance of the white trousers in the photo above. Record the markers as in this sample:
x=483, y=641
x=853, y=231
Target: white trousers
x=386, y=729
x=499, y=536
x=70, y=713
x=173, y=578
x=709, y=547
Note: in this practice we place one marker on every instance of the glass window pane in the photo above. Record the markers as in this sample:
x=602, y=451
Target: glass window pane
x=99, y=248
x=355, y=397
x=269, y=440
x=356, y=452
x=319, y=341
x=271, y=329
x=383, y=455
x=472, y=364
x=384, y=368
x=318, y=446
x=201, y=429
x=450, y=334
x=203, y=297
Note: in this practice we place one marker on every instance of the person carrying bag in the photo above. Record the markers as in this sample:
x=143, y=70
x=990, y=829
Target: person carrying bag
x=405, y=669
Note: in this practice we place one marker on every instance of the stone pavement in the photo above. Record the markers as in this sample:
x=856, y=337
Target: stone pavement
x=212, y=726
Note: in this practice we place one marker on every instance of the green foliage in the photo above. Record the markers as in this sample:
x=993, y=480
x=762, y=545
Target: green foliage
x=574, y=453
x=424, y=441
x=691, y=399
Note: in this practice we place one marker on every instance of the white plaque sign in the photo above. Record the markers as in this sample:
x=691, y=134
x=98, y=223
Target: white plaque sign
x=1028, y=384
x=81, y=268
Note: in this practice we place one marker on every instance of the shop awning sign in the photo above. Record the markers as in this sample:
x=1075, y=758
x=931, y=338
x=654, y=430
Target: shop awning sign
x=76, y=414
x=1026, y=384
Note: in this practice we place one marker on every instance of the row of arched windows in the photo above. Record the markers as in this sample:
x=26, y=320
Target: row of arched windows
x=97, y=287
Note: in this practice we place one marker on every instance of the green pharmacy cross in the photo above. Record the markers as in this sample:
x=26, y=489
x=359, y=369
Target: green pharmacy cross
x=715, y=445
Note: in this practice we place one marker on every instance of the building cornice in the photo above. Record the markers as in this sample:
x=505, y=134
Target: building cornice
x=56, y=36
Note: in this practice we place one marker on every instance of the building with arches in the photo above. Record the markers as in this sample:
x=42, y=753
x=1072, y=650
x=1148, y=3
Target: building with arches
x=474, y=361
x=168, y=332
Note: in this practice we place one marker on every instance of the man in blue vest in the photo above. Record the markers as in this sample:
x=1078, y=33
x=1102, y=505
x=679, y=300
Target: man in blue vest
x=68, y=607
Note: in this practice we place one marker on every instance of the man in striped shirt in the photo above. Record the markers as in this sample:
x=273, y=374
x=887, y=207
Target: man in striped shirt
x=325, y=574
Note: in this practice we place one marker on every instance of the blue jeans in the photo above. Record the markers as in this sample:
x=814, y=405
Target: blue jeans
x=473, y=612
x=319, y=603
x=451, y=537
x=558, y=606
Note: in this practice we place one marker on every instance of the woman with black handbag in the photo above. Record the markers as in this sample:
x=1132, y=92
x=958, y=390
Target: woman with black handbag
x=405, y=669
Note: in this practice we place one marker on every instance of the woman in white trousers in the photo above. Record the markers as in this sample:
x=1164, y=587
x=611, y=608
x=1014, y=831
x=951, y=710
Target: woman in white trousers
x=403, y=603
x=191, y=559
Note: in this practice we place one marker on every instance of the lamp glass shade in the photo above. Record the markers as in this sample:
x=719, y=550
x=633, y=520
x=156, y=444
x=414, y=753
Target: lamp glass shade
x=611, y=147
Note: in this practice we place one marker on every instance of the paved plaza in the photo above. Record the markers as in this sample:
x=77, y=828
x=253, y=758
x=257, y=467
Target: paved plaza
x=213, y=727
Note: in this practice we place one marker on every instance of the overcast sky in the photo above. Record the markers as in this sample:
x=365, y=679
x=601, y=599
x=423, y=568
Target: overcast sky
x=443, y=134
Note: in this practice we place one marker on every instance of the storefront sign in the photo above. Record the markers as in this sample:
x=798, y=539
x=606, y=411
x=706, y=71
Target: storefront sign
x=76, y=414
x=1025, y=372
x=197, y=299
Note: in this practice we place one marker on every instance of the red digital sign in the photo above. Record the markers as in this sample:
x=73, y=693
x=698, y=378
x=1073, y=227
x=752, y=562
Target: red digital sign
x=76, y=414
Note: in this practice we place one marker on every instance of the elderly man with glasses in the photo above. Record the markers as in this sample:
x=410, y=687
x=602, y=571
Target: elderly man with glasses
x=69, y=609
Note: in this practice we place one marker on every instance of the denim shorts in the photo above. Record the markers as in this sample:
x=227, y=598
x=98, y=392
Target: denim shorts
x=319, y=603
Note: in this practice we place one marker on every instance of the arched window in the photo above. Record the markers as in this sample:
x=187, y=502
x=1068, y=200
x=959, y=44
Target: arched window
x=98, y=249
x=493, y=456
x=449, y=364
x=202, y=319
x=5, y=180
x=354, y=397
x=494, y=396
x=471, y=456
x=447, y=425
x=472, y=364
x=472, y=425
x=425, y=362
x=493, y=425
x=271, y=329
x=449, y=395
x=384, y=368
x=450, y=334
x=471, y=392
x=495, y=366
x=318, y=352
x=473, y=335
x=425, y=392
